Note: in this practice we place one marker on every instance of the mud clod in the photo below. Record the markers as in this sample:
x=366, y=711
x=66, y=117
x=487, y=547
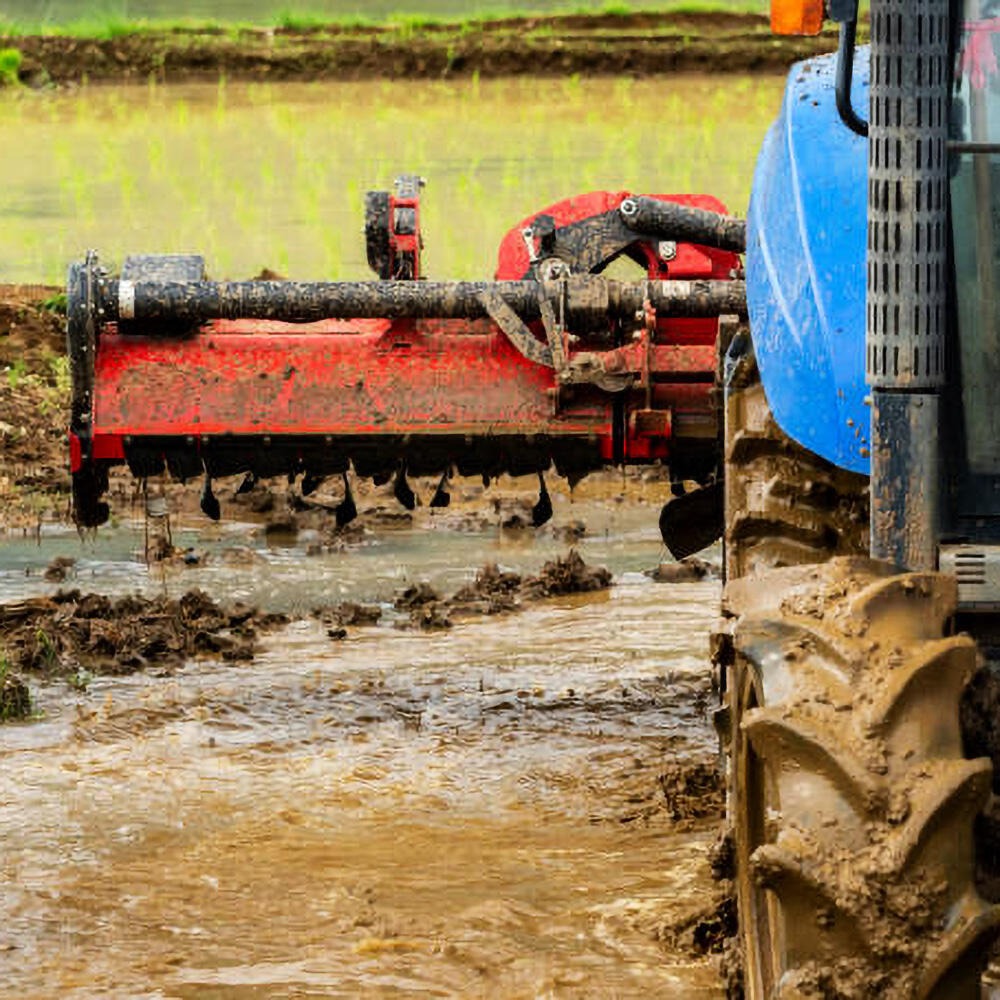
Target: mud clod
x=351, y=613
x=56, y=571
x=568, y=575
x=693, y=790
x=493, y=591
x=59, y=635
x=496, y=591
x=15, y=698
x=416, y=596
x=688, y=570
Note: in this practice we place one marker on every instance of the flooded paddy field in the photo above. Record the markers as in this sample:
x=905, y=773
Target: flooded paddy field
x=518, y=804
x=255, y=176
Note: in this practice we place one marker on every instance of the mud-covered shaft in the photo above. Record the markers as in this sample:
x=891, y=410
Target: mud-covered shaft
x=666, y=220
x=200, y=301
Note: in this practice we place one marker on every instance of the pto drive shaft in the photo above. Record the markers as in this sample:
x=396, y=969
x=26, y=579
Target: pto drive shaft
x=583, y=295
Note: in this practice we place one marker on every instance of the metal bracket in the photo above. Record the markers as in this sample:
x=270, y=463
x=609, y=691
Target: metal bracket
x=554, y=330
x=597, y=368
x=515, y=329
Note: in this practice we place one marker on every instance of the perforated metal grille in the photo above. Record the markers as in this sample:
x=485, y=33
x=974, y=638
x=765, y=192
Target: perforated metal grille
x=907, y=193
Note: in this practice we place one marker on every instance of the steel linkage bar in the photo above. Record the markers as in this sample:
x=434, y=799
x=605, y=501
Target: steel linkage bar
x=666, y=220
x=585, y=296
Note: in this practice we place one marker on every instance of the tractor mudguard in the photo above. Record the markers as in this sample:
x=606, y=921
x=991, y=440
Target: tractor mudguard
x=805, y=266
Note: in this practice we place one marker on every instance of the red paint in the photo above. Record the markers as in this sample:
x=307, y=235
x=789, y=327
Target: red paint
x=378, y=377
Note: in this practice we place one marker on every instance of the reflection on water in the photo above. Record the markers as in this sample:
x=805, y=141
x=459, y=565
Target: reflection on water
x=474, y=813
x=254, y=175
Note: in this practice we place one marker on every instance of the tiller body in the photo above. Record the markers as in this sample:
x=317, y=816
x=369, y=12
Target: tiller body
x=551, y=362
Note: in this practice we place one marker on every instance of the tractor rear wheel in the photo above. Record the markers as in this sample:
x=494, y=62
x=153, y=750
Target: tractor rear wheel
x=851, y=802
x=784, y=504
x=851, y=805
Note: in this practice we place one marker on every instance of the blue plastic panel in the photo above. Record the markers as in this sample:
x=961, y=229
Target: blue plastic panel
x=806, y=266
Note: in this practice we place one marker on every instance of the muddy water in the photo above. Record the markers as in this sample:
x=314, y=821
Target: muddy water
x=255, y=176
x=471, y=813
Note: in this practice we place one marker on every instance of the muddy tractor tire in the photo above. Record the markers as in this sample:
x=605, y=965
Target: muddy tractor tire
x=784, y=504
x=852, y=805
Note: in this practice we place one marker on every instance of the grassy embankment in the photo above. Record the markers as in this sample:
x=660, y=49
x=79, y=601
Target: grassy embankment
x=613, y=41
x=98, y=21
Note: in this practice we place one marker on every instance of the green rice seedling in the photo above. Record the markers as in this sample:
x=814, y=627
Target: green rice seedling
x=10, y=65
x=56, y=303
x=15, y=372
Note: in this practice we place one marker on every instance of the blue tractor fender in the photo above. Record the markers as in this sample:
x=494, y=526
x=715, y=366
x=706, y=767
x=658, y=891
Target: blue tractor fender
x=805, y=266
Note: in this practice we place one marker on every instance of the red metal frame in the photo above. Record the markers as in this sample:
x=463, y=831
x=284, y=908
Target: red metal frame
x=401, y=243
x=378, y=377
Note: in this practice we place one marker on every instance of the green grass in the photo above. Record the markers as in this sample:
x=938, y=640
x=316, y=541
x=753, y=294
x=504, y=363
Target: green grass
x=56, y=303
x=15, y=373
x=108, y=26
x=10, y=63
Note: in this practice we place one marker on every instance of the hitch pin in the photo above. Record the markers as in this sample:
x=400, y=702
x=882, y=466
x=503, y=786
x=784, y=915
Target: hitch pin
x=528, y=235
x=126, y=300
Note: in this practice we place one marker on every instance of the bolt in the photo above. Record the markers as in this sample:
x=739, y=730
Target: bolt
x=668, y=250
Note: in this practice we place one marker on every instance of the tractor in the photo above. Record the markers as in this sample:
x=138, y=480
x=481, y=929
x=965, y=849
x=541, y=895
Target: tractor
x=821, y=382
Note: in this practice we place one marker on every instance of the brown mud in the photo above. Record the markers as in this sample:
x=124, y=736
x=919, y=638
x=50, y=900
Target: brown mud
x=34, y=404
x=495, y=591
x=72, y=632
x=640, y=44
x=518, y=806
x=480, y=803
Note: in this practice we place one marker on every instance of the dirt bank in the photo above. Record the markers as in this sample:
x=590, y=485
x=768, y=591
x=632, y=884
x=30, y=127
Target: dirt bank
x=639, y=44
x=34, y=400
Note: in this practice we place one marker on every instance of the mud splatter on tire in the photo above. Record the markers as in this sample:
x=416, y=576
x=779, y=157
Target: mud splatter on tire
x=853, y=803
x=784, y=504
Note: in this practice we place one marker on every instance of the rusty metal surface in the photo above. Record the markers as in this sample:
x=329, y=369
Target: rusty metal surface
x=668, y=220
x=513, y=326
x=587, y=295
x=380, y=382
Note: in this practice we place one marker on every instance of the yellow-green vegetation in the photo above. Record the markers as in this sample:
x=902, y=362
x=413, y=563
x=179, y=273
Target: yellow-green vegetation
x=10, y=63
x=103, y=20
x=256, y=175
